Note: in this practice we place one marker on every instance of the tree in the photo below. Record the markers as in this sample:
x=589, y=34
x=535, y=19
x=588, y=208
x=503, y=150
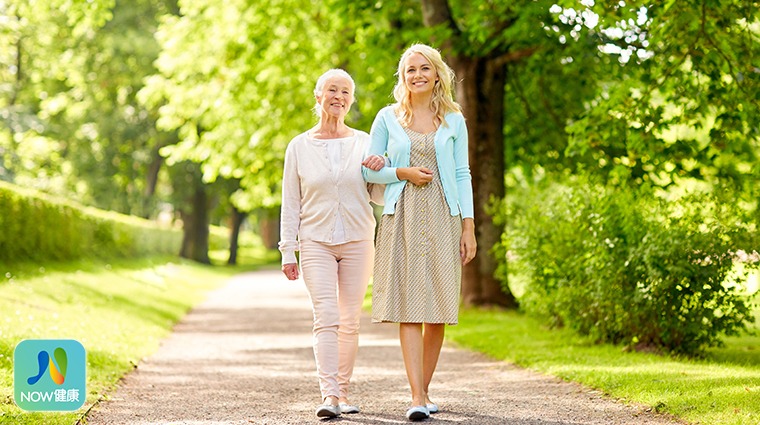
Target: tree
x=193, y=201
x=231, y=84
x=480, y=39
x=683, y=104
x=75, y=127
x=688, y=70
x=235, y=82
x=37, y=43
x=482, y=74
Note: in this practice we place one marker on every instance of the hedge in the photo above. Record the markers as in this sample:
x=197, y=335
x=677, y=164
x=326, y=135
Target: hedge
x=35, y=226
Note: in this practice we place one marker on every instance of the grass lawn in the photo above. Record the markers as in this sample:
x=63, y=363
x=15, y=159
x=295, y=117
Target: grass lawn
x=723, y=388
x=119, y=311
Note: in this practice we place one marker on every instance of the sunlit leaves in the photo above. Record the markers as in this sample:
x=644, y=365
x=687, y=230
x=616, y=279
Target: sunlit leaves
x=236, y=80
x=697, y=94
x=38, y=56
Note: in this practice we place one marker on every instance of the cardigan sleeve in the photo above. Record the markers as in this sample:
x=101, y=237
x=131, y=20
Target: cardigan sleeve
x=290, y=212
x=462, y=170
x=379, y=135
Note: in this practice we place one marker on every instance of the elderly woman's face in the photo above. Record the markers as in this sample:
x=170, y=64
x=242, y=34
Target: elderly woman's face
x=336, y=97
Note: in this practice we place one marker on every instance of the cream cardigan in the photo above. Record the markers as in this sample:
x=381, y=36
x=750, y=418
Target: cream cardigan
x=312, y=198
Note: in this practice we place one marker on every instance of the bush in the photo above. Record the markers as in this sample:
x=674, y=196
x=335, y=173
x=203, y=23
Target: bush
x=626, y=267
x=38, y=227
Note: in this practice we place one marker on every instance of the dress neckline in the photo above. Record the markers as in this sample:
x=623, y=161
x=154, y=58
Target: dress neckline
x=417, y=132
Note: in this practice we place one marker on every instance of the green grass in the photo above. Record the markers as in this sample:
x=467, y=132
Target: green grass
x=119, y=311
x=723, y=388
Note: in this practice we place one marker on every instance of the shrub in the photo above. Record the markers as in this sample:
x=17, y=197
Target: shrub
x=627, y=267
x=37, y=227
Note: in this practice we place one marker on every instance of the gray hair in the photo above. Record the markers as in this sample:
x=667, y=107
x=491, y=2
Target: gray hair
x=335, y=72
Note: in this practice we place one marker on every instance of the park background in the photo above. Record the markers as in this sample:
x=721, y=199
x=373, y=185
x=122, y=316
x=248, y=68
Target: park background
x=613, y=148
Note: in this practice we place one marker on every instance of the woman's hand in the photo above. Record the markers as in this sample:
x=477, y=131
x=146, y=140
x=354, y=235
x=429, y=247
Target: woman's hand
x=417, y=175
x=374, y=162
x=290, y=270
x=468, y=247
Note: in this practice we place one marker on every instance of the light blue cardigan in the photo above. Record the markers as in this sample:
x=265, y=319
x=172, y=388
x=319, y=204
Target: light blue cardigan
x=387, y=137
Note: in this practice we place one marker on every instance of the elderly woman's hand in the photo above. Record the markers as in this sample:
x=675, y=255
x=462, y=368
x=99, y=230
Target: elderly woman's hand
x=374, y=162
x=290, y=270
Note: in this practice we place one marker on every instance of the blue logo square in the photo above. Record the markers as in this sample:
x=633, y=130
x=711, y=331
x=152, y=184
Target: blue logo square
x=49, y=375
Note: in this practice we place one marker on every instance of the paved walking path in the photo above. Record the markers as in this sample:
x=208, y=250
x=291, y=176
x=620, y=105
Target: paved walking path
x=244, y=357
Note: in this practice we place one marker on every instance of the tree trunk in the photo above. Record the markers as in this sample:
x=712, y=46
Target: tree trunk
x=238, y=217
x=480, y=92
x=269, y=227
x=151, y=180
x=196, y=225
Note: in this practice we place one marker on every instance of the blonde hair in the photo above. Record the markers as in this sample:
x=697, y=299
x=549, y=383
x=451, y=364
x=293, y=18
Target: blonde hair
x=330, y=73
x=442, y=100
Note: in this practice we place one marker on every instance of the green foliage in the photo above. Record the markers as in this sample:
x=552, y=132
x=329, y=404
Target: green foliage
x=69, y=121
x=625, y=267
x=38, y=227
x=684, y=105
x=635, y=92
x=236, y=80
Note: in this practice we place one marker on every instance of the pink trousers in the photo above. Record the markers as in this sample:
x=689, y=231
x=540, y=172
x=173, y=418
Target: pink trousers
x=336, y=277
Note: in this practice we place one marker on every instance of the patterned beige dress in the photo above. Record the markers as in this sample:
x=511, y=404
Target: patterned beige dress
x=417, y=274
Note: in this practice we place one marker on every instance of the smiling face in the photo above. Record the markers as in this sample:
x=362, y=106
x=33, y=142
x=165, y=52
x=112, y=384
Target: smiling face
x=336, y=97
x=419, y=74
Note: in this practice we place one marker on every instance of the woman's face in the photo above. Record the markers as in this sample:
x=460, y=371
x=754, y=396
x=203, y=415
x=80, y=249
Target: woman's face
x=336, y=97
x=419, y=75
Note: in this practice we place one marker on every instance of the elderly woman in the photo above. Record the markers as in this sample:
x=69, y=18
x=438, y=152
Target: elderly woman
x=326, y=215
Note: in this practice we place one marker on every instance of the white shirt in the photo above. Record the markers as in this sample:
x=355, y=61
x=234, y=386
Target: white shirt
x=318, y=193
x=333, y=152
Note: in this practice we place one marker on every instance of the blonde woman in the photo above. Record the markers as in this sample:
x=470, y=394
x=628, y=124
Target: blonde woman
x=326, y=216
x=427, y=230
